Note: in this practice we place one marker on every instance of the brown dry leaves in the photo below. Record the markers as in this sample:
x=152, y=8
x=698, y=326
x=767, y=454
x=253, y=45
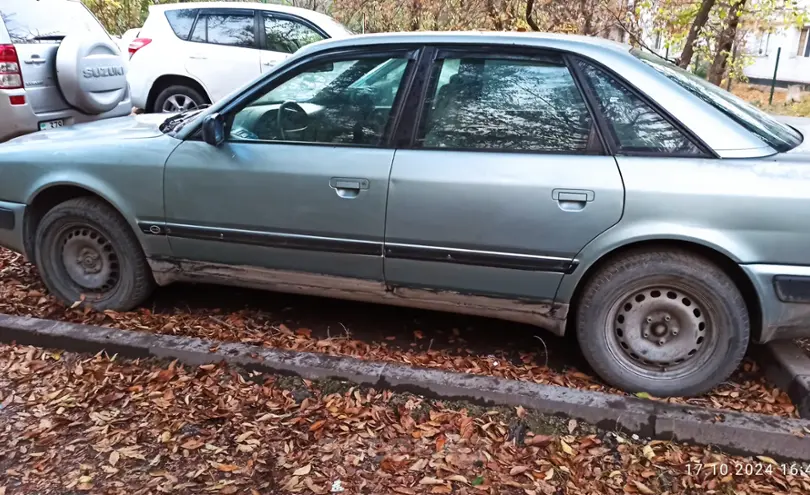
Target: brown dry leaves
x=120, y=428
x=22, y=293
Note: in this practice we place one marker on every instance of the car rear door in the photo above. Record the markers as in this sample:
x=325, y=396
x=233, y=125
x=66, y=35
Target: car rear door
x=36, y=30
x=503, y=179
x=223, y=50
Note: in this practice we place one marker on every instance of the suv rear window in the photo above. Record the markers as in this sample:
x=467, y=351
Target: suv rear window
x=181, y=21
x=46, y=20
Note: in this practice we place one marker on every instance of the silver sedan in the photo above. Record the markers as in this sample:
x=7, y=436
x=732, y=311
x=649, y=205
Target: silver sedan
x=566, y=182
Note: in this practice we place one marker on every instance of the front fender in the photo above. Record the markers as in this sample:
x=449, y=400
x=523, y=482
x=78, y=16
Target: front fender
x=621, y=236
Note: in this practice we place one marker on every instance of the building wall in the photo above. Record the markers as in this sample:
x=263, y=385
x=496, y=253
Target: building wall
x=794, y=66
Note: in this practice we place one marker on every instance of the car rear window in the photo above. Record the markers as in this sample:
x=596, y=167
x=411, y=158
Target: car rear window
x=181, y=21
x=46, y=21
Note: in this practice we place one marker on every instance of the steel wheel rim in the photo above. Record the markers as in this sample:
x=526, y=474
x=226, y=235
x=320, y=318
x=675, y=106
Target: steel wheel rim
x=645, y=342
x=88, y=259
x=178, y=103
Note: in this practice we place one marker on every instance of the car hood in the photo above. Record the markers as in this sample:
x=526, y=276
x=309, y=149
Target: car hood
x=130, y=127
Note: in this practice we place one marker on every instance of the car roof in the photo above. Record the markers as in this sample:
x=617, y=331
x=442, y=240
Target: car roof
x=563, y=41
x=237, y=5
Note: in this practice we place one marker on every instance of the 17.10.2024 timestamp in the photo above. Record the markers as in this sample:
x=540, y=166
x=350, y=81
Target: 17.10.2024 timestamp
x=747, y=469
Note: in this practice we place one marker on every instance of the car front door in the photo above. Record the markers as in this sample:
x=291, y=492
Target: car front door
x=504, y=180
x=222, y=51
x=283, y=35
x=301, y=182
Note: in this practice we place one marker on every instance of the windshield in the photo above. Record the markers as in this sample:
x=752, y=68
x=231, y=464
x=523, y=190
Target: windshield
x=779, y=136
x=45, y=21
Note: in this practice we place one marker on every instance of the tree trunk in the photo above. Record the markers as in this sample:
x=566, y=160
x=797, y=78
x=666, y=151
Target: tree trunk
x=587, y=12
x=725, y=43
x=529, y=18
x=697, y=25
x=494, y=15
x=416, y=8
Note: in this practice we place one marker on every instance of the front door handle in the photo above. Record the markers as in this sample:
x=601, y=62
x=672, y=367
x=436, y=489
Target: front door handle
x=572, y=199
x=348, y=187
x=198, y=57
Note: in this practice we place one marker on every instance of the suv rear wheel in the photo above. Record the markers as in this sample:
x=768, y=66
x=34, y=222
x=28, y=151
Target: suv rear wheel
x=87, y=253
x=178, y=98
x=669, y=323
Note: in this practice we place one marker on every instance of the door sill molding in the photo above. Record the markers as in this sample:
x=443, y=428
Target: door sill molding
x=544, y=314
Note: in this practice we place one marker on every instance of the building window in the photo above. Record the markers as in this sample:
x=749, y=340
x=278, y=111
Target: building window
x=804, y=46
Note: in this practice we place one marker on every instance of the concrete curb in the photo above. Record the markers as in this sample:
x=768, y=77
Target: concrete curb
x=735, y=433
x=788, y=367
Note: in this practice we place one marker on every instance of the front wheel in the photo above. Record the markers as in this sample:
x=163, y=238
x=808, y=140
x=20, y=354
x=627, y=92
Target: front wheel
x=86, y=253
x=669, y=323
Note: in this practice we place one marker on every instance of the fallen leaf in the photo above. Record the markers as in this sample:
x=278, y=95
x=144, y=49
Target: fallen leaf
x=404, y=491
x=539, y=440
x=458, y=478
x=549, y=474
x=478, y=481
x=418, y=465
x=643, y=395
x=643, y=488
x=566, y=448
x=192, y=444
x=429, y=480
x=304, y=332
x=518, y=470
x=317, y=425
x=572, y=425
x=303, y=471
x=440, y=441
x=767, y=460
x=225, y=468
x=441, y=489
x=114, y=457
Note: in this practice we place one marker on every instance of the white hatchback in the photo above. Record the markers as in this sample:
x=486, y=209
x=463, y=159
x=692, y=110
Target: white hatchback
x=190, y=54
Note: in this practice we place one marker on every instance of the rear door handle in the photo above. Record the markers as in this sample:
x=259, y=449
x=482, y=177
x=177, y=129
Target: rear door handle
x=348, y=187
x=198, y=57
x=34, y=60
x=572, y=199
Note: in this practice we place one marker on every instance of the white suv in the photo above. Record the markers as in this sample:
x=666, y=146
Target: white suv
x=189, y=54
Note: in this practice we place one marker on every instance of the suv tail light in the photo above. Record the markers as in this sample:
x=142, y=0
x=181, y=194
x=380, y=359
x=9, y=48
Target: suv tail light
x=10, y=75
x=137, y=44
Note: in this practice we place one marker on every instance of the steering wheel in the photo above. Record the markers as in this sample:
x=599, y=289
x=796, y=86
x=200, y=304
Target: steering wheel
x=293, y=108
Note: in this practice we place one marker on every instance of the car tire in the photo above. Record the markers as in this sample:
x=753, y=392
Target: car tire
x=668, y=323
x=86, y=253
x=179, y=96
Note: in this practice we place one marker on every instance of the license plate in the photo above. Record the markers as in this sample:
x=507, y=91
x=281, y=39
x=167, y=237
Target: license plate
x=51, y=124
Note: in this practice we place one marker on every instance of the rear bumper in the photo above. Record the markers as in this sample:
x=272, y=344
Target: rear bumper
x=11, y=226
x=21, y=119
x=784, y=296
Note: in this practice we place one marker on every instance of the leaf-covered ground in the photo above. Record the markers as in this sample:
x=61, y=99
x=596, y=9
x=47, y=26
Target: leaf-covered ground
x=72, y=423
x=418, y=338
x=759, y=96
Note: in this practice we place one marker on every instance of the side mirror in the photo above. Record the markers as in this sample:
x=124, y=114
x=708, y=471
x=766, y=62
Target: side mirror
x=213, y=129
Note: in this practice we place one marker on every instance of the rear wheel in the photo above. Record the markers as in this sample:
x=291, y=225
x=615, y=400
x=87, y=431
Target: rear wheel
x=669, y=323
x=87, y=253
x=178, y=98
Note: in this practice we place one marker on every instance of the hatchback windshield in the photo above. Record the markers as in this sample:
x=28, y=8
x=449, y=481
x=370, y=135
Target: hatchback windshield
x=43, y=21
x=779, y=136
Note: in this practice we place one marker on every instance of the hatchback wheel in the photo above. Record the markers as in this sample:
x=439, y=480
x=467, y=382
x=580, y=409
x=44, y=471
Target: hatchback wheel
x=87, y=253
x=669, y=323
x=178, y=98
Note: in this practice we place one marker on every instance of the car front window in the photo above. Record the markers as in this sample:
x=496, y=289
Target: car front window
x=46, y=21
x=777, y=135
